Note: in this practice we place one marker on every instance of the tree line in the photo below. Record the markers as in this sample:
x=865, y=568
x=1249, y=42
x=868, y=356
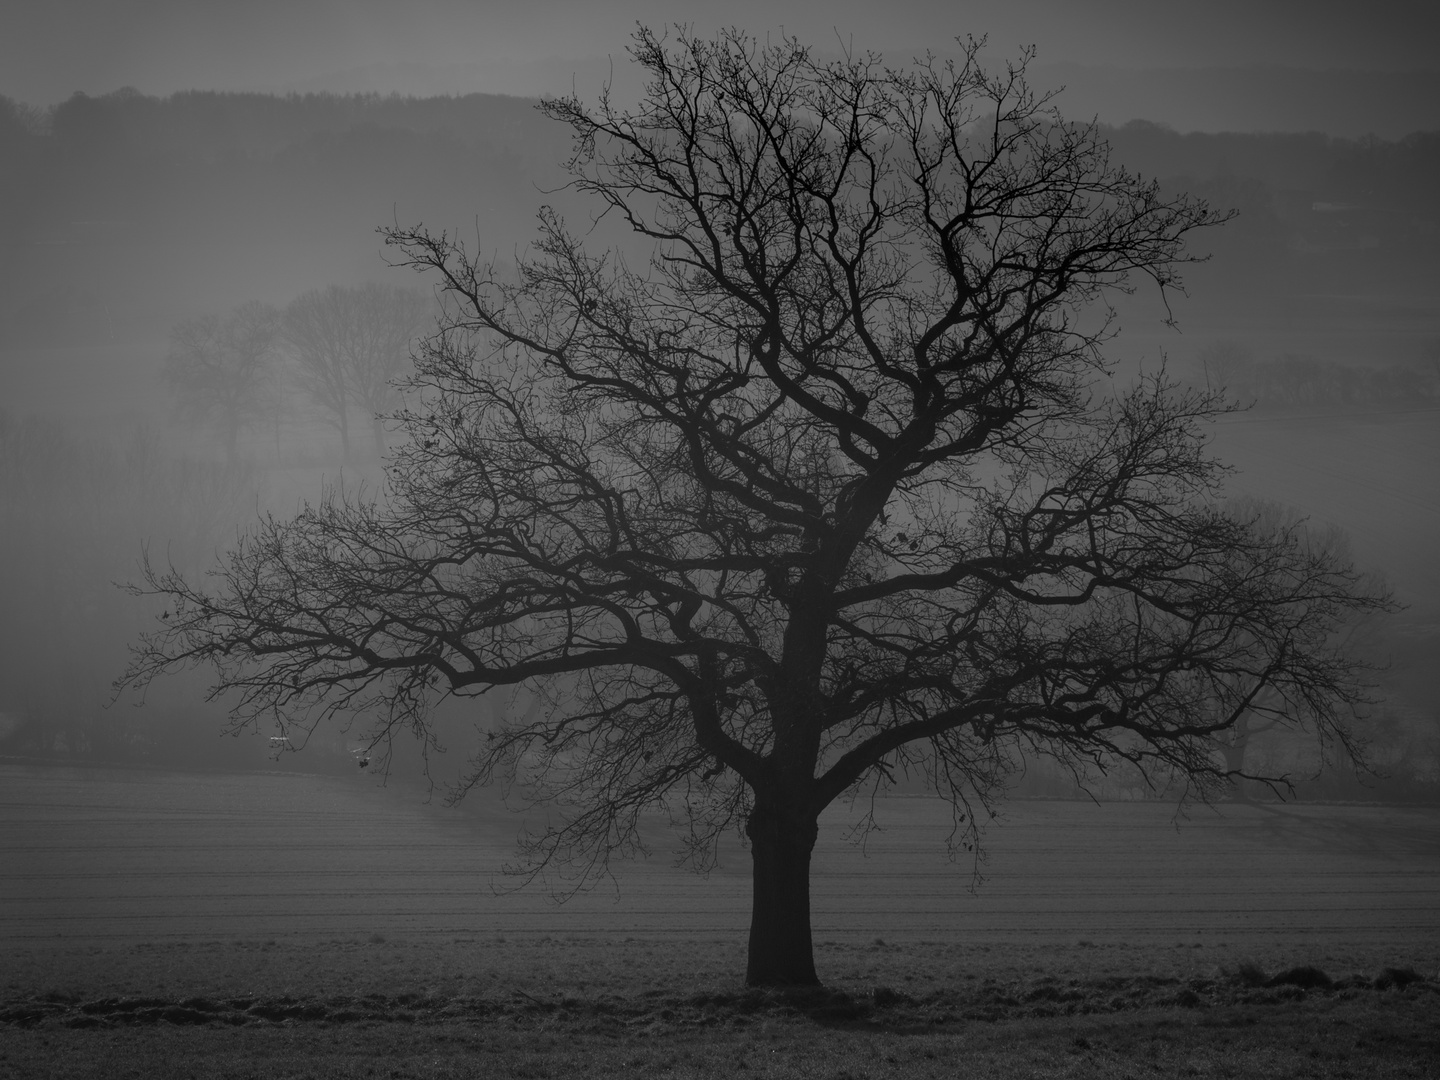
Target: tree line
x=1293, y=381
x=119, y=206
x=210, y=124
x=340, y=347
x=128, y=171
x=80, y=513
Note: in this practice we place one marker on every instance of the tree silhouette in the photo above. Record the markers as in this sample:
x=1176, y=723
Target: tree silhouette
x=387, y=320
x=831, y=486
x=351, y=345
x=222, y=368
x=318, y=327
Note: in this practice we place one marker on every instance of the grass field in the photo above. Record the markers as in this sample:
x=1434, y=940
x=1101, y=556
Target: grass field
x=159, y=924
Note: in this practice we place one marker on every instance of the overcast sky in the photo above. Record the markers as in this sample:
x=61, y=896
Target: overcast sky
x=50, y=48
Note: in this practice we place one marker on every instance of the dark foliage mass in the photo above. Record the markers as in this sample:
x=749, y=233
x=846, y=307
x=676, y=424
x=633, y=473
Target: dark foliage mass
x=829, y=490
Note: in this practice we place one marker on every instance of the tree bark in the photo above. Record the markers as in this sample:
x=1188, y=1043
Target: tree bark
x=781, y=951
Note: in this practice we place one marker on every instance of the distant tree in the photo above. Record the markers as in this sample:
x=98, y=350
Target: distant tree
x=1227, y=367
x=350, y=345
x=318, y=328
x=1257, y=710
x=388, y=319
x=825, y=492
x=222, y=368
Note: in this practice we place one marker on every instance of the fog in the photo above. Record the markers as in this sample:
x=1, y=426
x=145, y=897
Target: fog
x=138, y=224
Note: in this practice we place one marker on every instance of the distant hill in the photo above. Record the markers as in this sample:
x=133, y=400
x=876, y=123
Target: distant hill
x=122, y=214
x=1348, y=102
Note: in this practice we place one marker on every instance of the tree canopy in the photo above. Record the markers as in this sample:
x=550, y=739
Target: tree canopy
x=832, y=484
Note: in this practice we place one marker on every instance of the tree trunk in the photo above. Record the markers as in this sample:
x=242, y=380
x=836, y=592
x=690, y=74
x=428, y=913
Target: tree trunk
x=1233, y=745
x=1233, y=753
x=781, y=953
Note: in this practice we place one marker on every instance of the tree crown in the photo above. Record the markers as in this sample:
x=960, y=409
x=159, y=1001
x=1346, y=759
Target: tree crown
x=826, y=485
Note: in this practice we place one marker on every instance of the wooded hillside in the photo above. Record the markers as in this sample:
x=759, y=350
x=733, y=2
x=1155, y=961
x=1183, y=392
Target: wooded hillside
x=124, y=213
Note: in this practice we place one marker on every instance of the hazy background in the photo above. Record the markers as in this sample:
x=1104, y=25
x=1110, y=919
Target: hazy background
x=162, y=163
x=1329, y=65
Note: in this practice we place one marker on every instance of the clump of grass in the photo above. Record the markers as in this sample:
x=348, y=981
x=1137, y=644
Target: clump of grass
x=1249, y=973
x=1398, y=978
x=1305, y=977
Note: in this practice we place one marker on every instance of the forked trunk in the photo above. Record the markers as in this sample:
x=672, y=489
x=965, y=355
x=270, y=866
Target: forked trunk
x=781, y=953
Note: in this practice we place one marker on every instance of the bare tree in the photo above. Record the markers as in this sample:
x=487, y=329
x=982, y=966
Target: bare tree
x=387, y=320
x=350, y=346
x=824, y=492
x=1257, y=710
x=222, y=368
x=318, y=327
